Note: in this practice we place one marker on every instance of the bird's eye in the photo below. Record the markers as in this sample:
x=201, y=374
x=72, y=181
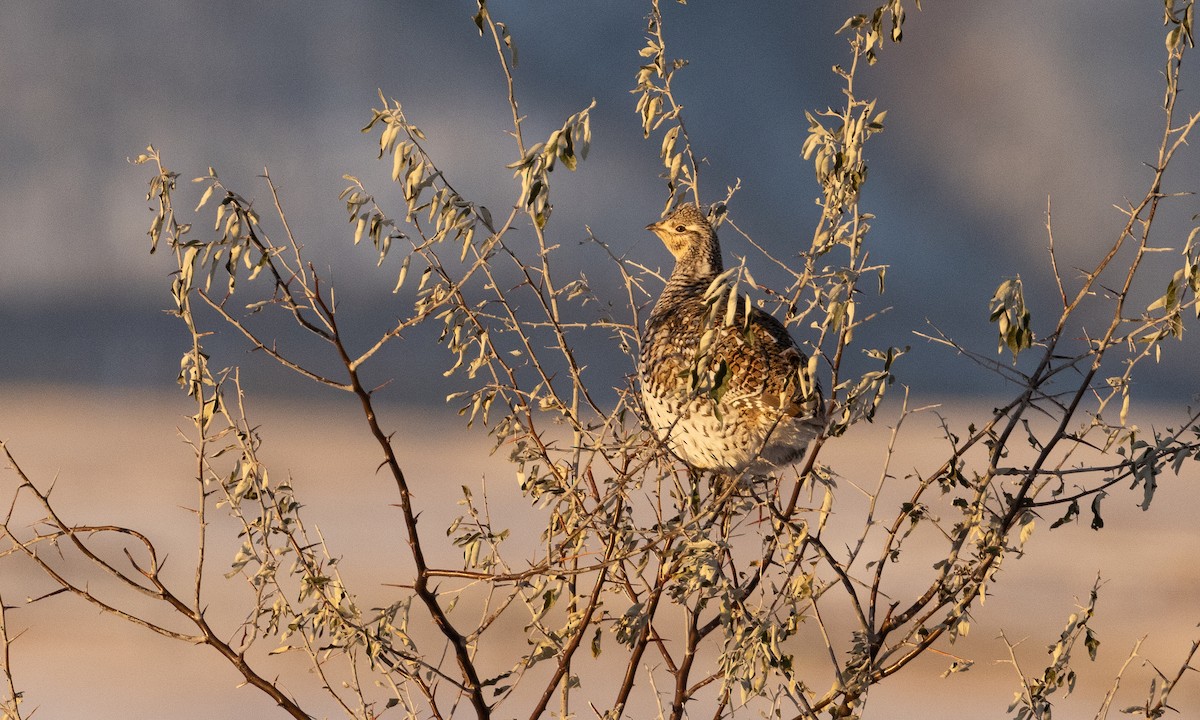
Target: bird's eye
x=680, y=228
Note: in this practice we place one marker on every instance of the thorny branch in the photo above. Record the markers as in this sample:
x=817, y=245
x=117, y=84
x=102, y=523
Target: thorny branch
x=705, y=582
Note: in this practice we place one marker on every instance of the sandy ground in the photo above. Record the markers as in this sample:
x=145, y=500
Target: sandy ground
x=118, y=459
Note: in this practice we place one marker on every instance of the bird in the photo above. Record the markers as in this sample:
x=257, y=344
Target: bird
x=725, y=389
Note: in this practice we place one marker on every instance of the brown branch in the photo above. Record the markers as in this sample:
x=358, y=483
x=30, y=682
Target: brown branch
x=207, y=636
x=691, y=642
x=10, y=707
x=565, y=655
x=429, y=597
x=275, y=354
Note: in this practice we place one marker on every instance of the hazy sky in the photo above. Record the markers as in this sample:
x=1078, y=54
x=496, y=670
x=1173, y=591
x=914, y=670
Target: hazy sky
x=992, y=107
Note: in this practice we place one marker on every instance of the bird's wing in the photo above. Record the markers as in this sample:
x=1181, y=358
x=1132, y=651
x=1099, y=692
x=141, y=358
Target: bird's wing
x=766, y=366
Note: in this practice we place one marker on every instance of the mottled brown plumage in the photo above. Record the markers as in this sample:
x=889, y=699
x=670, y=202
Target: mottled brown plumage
x=722, y=396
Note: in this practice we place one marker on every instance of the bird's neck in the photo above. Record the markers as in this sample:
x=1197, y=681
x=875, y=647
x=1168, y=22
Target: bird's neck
x=701, y=262
x=693, y=274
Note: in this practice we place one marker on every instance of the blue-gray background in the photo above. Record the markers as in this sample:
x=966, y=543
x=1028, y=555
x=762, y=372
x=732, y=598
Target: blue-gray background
x=993, y=107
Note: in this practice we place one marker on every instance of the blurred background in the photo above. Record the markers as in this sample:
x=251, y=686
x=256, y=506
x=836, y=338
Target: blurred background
x=992, y=109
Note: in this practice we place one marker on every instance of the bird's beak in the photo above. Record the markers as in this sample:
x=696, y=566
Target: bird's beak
x=653, y=227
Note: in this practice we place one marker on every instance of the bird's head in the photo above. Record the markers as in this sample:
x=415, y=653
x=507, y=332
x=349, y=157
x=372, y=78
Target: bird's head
x=690, y=237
